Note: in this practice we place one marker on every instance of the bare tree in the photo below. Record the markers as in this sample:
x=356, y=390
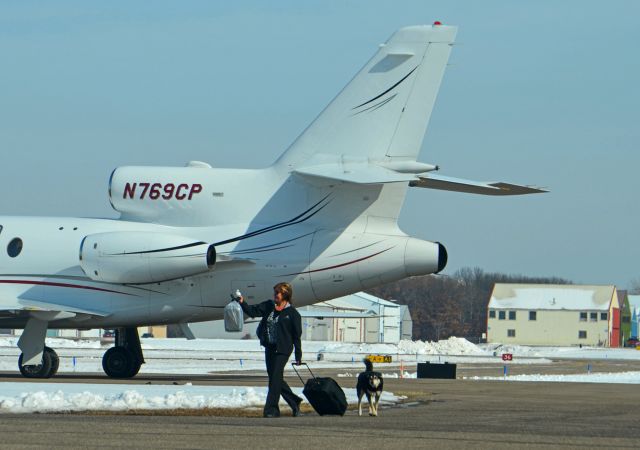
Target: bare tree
x=635, y=286
x=442, y=306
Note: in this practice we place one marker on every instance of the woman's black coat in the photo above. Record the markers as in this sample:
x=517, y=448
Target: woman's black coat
x=289, y=328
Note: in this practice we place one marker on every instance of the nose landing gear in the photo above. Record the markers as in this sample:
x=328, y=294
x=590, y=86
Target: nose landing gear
x=46, y=369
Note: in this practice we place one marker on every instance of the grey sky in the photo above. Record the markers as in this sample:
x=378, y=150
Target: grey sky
x=540, y=92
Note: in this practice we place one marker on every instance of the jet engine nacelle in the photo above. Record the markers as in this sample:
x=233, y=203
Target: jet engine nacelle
x=424, y=257
x=139, y=257
x=162, y=194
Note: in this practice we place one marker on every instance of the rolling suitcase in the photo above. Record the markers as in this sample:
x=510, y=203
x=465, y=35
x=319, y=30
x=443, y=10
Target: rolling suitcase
x=324, y=394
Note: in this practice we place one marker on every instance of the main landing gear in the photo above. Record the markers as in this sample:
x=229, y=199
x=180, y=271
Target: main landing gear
x=46, y=369
x=124, y=360
x=121, y=361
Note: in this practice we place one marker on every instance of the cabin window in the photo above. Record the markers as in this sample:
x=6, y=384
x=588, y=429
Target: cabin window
x=15, y=247
x=603, y=316
x=582, y=334
x=512, y=315
x=511, y=333
x=533, y=315
x=583, y=317
x=0, y=228
x=492, y=314
x=593, y=317
x=501, y=315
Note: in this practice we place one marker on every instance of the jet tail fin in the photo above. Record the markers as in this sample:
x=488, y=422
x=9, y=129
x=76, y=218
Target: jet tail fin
x=384, y=111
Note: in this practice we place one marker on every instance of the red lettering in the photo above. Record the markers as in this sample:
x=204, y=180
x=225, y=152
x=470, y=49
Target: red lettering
x=144, y=190
x=195, y=189
x=180, y=196
x=154, y=194
x=129, y=190
x=168, y=191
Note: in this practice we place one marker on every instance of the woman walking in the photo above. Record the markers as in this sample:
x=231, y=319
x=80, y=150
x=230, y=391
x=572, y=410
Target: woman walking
x=279, y=333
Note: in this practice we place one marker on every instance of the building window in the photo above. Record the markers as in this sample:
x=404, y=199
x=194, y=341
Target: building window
x=593, y=317
x=15, y=247
x=511, y=333
x=583, y=317
x=582, y=334
x=603, y=316
x=501, y=315
x=512, y=315
x=492, y=314
x=533, y=315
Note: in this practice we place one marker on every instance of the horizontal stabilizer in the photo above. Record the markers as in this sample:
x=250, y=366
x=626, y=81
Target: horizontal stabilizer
x=354, y=173
x=473, y=187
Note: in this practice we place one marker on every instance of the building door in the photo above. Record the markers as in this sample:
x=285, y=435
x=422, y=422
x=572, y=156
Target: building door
x=615, y=329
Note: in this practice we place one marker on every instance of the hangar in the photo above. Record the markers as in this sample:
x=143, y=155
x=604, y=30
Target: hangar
x=358, y=317
x=389, y=322
x=554, y=314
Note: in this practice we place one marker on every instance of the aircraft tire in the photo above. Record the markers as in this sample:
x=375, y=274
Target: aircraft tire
x=55, y=361
x=135, y=368
x=118, y=362
x=42, y=370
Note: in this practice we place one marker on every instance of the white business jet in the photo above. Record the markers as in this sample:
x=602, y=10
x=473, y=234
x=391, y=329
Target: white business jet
x=322, y=217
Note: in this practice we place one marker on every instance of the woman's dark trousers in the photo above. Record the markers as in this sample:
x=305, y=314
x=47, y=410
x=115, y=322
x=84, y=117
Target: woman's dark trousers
x=277, y=385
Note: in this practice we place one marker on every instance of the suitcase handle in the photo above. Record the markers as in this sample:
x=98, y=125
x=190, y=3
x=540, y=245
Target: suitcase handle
x=296, y=371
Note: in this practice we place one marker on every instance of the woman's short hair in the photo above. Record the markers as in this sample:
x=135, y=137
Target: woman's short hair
x=285, y=289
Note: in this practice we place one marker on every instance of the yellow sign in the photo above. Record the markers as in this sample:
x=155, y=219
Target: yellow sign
x=379, y=358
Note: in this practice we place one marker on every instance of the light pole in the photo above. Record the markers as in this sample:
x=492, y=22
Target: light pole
x=381, y=322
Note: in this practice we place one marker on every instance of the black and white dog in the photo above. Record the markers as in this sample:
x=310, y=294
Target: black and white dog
x=370, y=383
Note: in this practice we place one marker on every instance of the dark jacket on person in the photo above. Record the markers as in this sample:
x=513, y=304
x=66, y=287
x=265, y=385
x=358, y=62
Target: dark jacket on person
x=289, y=326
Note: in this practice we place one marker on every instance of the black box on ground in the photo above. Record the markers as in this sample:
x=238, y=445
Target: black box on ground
x=434, y=370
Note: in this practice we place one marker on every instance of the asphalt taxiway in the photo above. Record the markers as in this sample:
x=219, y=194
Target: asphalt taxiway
x=439, y=414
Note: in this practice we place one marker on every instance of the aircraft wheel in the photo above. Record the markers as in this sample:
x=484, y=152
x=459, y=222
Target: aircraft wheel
x=55, y=360
x=118, y=362
x=135, y=368
x=42, y=370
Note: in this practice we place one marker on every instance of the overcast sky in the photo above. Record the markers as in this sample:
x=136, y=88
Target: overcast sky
x=537, y=92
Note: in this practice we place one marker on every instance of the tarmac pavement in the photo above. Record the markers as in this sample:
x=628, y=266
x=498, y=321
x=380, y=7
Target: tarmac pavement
x=440, y=414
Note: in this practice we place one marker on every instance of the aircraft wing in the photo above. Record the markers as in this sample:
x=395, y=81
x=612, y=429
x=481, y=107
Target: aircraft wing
x=337, y=315
x=33, y=305
x=433, y=181
x=331, y=315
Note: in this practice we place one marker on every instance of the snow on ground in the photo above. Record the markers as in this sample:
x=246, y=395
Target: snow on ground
x=618, y=377
x=584, y=352
x=202, y=356
x=59, y=397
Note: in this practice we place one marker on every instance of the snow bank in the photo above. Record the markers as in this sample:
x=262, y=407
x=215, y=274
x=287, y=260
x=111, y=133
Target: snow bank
x=574, y=352
x=59, y=397
x=615, y=377
x=451, y=346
